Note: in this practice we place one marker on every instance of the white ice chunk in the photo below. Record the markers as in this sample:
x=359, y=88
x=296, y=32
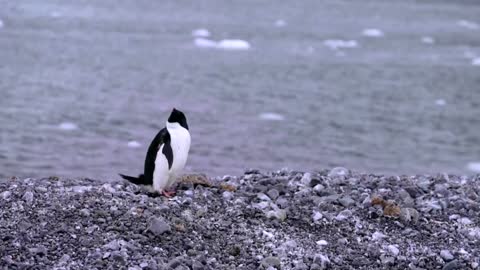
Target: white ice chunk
x=476, y=61
x=428, y=40
x=271, y=116
x=201, y=33
x=67, y=126
x=474, y=166
x=440, y=102
x=280, y=23
x=468, y=24
x=335, y=44
x=233, y=44
x=372, y=32
x=133, y=144
x=205, y=43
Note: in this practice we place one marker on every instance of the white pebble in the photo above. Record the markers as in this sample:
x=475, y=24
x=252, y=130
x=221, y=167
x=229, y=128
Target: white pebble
x=322, y=243
x=476, y=61
x=201, y=33
x=376, y=236
x=306, y=179
x=465, y=221
x=338, y=171
x=205, y=43
x=317, y=216
x=267, y=234
x=133, y=144
x=468, y=24
x=428, y=40
x=372, y=32
x=271, y=116
x=394, y=250
x=67, y=126
x=6, y=195
x=446, y=255
x=233, y=44
x=474, y=166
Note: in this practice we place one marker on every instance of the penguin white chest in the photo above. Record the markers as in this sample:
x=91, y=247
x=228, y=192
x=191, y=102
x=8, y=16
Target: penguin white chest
x=180, y=143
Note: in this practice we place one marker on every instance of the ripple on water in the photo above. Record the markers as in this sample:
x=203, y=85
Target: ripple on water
x=269, y=116
x=67, y=126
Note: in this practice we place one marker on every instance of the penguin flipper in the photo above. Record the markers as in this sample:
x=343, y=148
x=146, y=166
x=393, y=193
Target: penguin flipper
x=140, y=180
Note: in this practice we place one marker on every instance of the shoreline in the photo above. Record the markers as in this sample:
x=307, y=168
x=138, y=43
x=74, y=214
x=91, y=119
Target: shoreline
x=259, y=220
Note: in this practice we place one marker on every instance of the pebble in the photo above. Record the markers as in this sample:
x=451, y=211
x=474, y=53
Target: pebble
x=346, y=201
x=6, y=195
x=271, y=261
x=273, y=194
x=322, y=260
x=306, y=179
x=377, y=236
x=338, y=171
x=28, y=197
x=158, y=226
x=451, y=265
x=38, y=250
x=345, y=214
x=394, y=250
x=446, y=255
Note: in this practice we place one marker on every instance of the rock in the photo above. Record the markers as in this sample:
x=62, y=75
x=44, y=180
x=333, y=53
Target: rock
x=377, y=236
x=279, y=214
x=306, y=179
x=346, y=201
x=28, y=197
x=85, y=212
x=465, y=221
x=316, y=216
x=451, y=265
x=263, y=197
x=322, y=243
x=273, y=194
x=227, y=195
x=271, y=261
x=38, y=250
x=119, y=256
x=409, y=215
x=338, y=171
x=345, y=214
x=387, y=259
x=158, y=226
x=446, y=255
x=41, y=189
x=6, y=195
x=196, y=265
x=322, y=260
x=393, y=250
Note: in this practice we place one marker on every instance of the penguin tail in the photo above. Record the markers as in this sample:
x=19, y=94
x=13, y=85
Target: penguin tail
x=135, y=180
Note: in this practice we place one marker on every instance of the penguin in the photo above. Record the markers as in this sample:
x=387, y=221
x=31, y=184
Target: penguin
x=166, y=155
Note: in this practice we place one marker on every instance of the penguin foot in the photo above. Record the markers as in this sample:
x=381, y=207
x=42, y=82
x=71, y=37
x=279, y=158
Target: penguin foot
x=169, y=194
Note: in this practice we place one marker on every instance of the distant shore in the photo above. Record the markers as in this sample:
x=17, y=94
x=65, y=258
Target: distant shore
x=260, y=220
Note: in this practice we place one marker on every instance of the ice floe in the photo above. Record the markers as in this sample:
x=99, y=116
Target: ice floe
x=233, y=44
x=440, y=102
x=205, y=43
x=476, y=61
x=468, y=24
x=335, y=44
x=474, y=166
x=280, y=23
x=133, y=144
x=201, y=33
x=67, y=126
x=224, y=44
x=428, y=40
x=271, y=116
x=372, y=32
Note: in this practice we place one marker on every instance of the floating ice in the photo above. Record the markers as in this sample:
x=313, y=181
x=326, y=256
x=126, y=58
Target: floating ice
x=468, y=24
x=201, y=33
x=476, y=61
x=440, y=102
x=233, y=44
x=205, y=43
x=67, y=126
x=280, y=23
x=474, y=166
x=133, y=144
x=271, y=116
x=372, y=32
x=428, y=40
x=1, y=24
x=335, y=44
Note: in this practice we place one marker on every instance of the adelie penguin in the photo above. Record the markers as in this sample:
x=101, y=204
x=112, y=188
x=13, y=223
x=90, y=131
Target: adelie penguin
x=166, y=156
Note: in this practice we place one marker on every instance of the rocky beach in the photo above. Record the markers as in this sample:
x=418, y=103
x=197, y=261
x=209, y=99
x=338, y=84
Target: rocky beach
x=330, y=219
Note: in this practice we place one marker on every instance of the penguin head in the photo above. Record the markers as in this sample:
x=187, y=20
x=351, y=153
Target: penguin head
x=178, y=117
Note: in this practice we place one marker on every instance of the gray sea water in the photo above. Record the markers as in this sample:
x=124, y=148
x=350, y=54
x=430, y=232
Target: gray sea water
x=79, y=80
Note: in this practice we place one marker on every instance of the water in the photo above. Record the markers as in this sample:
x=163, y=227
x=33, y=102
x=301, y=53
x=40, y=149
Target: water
x=111, y=71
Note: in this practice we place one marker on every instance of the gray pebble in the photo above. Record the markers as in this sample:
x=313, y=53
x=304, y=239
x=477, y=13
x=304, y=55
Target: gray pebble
x=6, y=195
x=345, y=214
x=446, y=255
x=451, y=265
x=271, y=261
x=28, y=197
x=273, y=194
x=346, y=201
x=38, y=250
x=85, y=212
x=158, y=226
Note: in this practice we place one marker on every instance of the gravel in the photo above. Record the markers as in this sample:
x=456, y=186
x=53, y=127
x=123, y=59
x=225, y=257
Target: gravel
x=270, y=220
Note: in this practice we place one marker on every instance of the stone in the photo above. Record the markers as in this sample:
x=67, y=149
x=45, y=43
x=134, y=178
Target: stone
x=345, y=214
x=85, y=212
x=306, y=179
x=338, y=171
x=279, y=214
x=28, y=197
x=6, y=195
x=393, y=250
x=346, y=201
x=271, y=261
x=158, y=226
x=322, y=260
x=38, y=250
x=452, y=265
x=446, y=255
x=273, y=194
